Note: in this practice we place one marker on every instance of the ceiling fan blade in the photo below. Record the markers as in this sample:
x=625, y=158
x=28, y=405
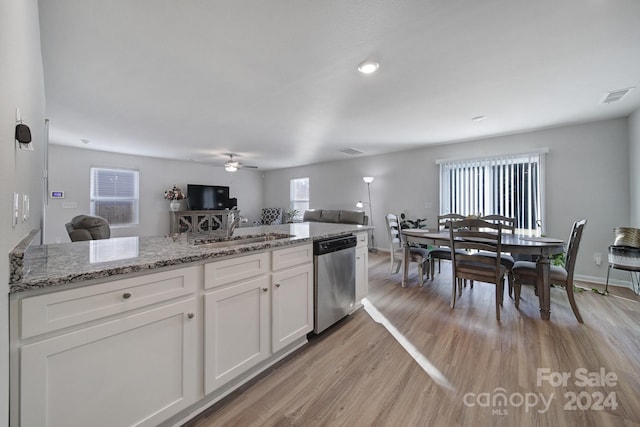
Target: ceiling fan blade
x=237, y=165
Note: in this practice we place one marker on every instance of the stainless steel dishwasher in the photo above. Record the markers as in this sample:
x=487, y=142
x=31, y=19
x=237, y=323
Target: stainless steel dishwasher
x=334, y=280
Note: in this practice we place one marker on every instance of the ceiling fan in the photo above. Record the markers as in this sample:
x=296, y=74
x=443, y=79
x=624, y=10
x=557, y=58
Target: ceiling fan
x=232, y=165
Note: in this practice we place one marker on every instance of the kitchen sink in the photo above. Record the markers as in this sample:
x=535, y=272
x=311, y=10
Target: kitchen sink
x=243, y=240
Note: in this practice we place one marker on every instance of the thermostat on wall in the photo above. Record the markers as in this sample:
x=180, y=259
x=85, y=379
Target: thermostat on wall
x=57, y=194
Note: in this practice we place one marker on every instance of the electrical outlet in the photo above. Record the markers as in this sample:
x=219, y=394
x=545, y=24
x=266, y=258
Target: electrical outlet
x=597, y=258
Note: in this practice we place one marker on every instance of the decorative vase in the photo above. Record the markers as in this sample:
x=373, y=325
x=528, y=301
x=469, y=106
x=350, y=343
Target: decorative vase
x=174, y=205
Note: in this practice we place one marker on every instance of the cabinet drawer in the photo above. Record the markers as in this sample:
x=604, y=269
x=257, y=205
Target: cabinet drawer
x=231, y=270
x=49, y=312
x=283, y=258
x=362, y=239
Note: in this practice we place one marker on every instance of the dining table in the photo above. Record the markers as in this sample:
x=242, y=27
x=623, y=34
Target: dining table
x=542, y=247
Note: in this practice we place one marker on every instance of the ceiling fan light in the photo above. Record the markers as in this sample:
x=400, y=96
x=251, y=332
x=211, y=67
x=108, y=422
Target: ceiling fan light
x=230, y=168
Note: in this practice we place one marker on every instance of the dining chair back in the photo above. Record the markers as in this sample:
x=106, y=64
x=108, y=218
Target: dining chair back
x=441, y=253
x=525, y=272
x=445, y=219
x=508, y=227
x=396, y=249
x=508, y=223
x=466, y=237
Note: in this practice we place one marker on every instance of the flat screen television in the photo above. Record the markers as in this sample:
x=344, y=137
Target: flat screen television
x=204, y=197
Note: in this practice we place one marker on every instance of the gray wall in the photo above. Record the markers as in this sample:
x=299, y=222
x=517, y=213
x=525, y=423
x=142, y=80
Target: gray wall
x=69, y=172
x=22, y=85
x=634, y=172
x=587, y=176
x=589, y=171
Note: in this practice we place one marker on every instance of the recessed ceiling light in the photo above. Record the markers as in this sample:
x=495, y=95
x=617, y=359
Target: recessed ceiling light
x=478, y=118
x=368, y=67
x=85, y=141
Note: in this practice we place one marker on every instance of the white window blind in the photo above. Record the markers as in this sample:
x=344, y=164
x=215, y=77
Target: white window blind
x=114, y=195
x=505, y=185
x=299, y=195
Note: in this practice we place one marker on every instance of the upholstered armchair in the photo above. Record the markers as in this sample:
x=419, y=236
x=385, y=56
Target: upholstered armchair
x=85, y=227
x=270, y=216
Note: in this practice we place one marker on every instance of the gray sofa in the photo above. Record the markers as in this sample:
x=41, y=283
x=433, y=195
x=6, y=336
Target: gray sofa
x=336, y=216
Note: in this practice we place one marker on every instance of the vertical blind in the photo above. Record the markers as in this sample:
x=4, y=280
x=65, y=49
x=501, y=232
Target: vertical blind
x=114, y=195
x=505, y=185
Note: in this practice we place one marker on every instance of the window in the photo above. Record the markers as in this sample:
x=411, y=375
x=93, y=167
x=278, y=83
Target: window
x=114, y=195
x=507, y=185
x=299, y=195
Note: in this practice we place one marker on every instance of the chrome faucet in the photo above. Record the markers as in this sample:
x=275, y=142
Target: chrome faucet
x=233, y=221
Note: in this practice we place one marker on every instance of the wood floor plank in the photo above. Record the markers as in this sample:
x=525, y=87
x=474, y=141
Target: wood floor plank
x=357, y=374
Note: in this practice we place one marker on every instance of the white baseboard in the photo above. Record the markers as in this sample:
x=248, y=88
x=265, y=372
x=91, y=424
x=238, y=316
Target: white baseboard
x=582, y=278
x=603, y=281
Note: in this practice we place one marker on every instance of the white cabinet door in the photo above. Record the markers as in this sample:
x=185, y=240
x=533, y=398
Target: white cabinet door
x=134, y=370
x=291, y=305
x=236, y=330
x=362, y=273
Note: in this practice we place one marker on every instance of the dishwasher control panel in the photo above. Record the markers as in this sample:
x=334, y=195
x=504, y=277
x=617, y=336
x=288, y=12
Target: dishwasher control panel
x=334, y=244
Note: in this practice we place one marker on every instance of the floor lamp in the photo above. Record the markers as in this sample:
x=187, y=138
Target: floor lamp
x=368, y=180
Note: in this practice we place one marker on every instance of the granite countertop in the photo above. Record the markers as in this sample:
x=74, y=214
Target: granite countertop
x=39, y=266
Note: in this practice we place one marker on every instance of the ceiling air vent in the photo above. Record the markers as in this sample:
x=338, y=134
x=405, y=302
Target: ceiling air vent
x=616, y=95
x=351, y=151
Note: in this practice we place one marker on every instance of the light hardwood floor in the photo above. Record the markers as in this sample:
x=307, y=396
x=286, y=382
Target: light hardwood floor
x=357, y=374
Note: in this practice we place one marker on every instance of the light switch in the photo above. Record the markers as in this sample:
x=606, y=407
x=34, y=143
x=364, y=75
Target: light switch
x=69, y=205
x=25, y=207
x=16, y=208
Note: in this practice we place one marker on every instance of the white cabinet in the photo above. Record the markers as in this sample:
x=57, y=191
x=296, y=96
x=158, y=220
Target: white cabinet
x=235, y=269
x=135, y=368
x=138, y=351
x=291, y=305
x=289, y=257
x=362, y=267
x=236, y=330
x=253, y=309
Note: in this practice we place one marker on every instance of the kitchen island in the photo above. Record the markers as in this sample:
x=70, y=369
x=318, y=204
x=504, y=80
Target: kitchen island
x=152, y=330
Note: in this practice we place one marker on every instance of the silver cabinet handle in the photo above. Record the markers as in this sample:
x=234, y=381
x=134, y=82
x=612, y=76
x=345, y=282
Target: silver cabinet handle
x=265, y=289
x=190, y=315
x=126, y=295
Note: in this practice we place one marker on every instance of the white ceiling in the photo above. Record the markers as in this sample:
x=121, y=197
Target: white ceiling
x=276, y=81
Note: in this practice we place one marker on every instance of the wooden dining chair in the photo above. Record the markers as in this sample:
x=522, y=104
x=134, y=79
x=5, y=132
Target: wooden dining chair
x=442, y=253
x=508, y=226
x=396, y=242
x=476, y=235
x=525, y=272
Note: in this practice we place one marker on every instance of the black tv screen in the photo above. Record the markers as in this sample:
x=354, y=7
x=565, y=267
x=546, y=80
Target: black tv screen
x=203, y=197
